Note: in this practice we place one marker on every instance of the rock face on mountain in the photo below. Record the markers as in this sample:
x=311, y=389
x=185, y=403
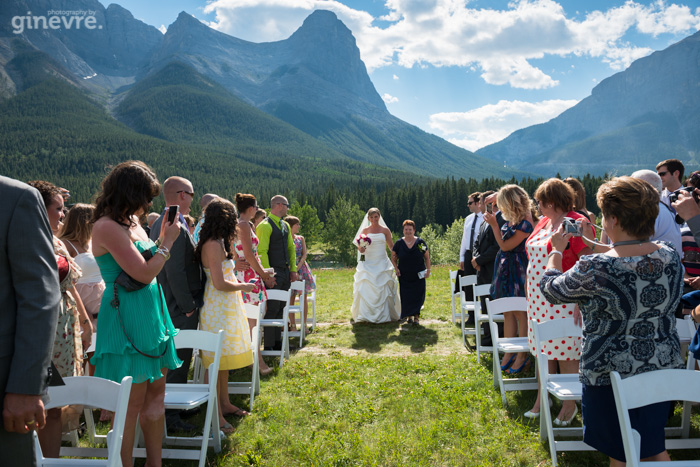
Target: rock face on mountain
x=635, y=118
x=109, y=51
x=317, y=69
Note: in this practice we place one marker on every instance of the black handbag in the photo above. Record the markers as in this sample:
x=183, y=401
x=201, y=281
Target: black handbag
x=131, y=285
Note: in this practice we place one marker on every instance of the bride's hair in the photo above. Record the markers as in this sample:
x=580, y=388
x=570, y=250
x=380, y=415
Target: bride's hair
x=373, y=211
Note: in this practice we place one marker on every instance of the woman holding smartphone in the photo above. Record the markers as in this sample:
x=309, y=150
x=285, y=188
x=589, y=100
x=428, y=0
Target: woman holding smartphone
x=135, y=331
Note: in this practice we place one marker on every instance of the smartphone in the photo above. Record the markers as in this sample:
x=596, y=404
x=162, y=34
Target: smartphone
x=172, y=213
x=489, y=208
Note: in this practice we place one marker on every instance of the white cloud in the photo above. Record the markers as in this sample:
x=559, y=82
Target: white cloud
x=389, y=99
x=395, y=77
x=163, y=29
x=500, y=43
x=480, y=127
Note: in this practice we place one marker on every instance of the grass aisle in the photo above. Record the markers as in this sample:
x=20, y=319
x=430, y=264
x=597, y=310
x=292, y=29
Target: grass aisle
x=386, y=395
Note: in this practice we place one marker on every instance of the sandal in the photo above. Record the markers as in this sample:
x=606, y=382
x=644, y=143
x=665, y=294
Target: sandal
x=227, y=428
x=238, y=413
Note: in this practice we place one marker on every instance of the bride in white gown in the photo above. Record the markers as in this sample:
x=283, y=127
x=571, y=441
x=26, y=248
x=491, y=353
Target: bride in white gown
x=375, y=289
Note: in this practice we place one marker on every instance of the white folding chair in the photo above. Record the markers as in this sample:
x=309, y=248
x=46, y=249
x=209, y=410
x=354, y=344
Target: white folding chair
x=565, y=387
x=507, y=345
x=465, y=306
x=311, y=299
x=298, y=309
x=454, y=296
x=91, y=392
x=252, y=387
x=282, y=323
x=190, y=395
x=658, y=386
x=481, y=319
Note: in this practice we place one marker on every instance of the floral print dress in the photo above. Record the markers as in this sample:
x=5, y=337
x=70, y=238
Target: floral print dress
x=67, y=352
x=258, y=294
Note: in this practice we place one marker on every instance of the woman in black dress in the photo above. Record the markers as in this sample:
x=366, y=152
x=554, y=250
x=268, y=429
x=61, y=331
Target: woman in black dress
x=412, y=263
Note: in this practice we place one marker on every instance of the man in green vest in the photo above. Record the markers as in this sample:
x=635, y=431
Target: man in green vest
x=276, y=250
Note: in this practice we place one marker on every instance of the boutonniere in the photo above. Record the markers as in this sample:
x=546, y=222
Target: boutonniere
x=423, y=247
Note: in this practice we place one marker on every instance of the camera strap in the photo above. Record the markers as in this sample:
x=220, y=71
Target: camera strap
x=115, y=304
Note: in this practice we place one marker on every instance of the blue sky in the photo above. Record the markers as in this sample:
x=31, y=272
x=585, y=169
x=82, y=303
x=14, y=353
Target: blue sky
x=473, y=71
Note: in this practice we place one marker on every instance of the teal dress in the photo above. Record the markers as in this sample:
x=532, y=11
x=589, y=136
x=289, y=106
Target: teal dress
x=147, y=322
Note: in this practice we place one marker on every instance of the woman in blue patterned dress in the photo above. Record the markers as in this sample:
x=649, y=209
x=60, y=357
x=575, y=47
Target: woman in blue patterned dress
x=627, y=297
x=510, y=271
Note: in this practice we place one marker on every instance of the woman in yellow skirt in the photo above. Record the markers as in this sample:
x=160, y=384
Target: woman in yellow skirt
x=223, y=304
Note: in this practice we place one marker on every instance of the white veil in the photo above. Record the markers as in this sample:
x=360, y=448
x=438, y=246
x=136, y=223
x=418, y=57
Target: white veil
x=363, y=225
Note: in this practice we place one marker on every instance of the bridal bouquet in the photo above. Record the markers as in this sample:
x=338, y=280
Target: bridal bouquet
x=363, y=241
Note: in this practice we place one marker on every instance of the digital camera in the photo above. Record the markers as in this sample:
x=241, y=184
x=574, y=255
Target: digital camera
x=572, y=226
x=673, y=197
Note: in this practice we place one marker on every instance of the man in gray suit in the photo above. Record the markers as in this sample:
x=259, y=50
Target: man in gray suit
x=30, y=296
x=182, y=279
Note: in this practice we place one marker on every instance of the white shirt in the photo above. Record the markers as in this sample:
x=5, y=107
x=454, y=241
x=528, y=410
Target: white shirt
x=666, y=229
x=477, y=218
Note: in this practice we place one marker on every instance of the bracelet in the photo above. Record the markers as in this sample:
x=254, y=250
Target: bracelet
x=555, y=252
x=164, y=251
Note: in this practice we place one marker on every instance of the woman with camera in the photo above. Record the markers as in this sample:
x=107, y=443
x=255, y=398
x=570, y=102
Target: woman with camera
x=555, y=201
x=510, y=273
x=627, y=296
x=135, y=330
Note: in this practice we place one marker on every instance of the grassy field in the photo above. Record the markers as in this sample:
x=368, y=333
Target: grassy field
x=387, y=395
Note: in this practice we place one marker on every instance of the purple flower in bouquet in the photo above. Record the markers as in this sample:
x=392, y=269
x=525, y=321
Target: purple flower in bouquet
x=363, y=241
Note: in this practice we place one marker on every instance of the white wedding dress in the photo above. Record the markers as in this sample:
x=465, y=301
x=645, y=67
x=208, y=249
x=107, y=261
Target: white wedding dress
x=376, y=290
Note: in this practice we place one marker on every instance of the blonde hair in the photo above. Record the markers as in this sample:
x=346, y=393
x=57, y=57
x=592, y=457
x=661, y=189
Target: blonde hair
x=373, y=211
x=77, y=226
x=514, y=203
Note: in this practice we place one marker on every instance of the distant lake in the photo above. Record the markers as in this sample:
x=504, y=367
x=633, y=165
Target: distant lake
x=325, y=265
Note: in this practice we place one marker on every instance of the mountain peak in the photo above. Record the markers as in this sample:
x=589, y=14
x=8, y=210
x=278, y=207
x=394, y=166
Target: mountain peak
x=321, y=18
x=324, y=23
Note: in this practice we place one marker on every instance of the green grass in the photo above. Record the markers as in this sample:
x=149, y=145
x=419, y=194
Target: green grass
x=387, y=395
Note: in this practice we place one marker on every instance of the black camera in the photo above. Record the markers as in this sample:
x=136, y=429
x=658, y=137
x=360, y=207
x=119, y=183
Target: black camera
x=673, y=197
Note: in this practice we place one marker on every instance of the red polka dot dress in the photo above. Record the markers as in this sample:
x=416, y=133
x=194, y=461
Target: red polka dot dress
x=539, y=309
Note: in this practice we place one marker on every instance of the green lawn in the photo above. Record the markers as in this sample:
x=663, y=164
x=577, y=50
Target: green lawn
x=387, y=395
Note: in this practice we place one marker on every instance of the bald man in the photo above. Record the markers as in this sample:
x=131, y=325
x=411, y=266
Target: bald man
x=276, y=250
x=182, y=279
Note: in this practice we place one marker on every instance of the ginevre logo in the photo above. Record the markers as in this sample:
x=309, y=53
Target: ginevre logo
x=56, y=19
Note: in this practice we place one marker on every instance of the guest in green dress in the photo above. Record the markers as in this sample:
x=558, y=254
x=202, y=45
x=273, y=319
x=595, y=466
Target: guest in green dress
x=135, y=336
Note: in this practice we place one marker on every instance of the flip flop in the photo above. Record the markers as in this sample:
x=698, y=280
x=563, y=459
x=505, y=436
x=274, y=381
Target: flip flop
x=238, y=413
x=227, y=428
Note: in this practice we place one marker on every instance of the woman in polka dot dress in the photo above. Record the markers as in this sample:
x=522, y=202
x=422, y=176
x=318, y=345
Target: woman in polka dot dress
x=555, y=200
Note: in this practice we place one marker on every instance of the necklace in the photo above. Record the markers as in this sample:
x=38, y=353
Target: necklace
x=629, y=242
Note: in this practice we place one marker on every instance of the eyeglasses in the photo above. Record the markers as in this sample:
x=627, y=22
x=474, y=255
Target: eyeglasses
x=471, y=202
x=191, y=193
x=661, y=174
x=284, y=204
x=537, y=204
